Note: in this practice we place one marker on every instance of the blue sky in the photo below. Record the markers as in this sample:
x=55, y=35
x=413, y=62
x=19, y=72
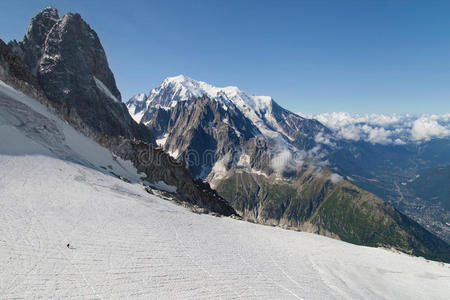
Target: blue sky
x=310, y=56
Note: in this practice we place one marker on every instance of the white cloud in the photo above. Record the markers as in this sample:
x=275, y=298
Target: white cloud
x=335, y=178
x=281, y=160
x=349, y=132
x=377, y=135
x=427, y=127
x=325, y=139
x=291, y=159
x=384, y=129
x=399, y=142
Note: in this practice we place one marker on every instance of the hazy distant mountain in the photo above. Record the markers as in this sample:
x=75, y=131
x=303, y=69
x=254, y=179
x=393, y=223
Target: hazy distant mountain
x=386, y=154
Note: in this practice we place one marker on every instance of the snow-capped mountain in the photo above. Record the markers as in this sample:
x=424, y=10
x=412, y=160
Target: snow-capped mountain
x=242, y=119
x=225, y=129
x=262, y=111
x=136, y=106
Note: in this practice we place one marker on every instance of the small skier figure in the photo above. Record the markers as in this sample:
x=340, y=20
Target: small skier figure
x=68, y=245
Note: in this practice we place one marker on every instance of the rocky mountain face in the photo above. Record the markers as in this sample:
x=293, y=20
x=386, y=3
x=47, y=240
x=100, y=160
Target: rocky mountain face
x=272, y=165
x=68, y=60
x=61, y=63
x=15, y=73
x=161, y=169
x=31, y=48
x=217, y=129
x=201, y=131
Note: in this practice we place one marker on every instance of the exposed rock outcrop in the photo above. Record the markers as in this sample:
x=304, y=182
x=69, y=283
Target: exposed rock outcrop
x=201, y=131
x=15, y=73
x=159, y=166
x=67, y=58
x=31, y=48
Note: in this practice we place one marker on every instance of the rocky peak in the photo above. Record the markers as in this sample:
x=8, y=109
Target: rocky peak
x=47, y=13
x=266, y=115
x=41, y=24
x=33, y=42
x=70, y=64
x=137, y=105
x=138, y=98
x=73, y=44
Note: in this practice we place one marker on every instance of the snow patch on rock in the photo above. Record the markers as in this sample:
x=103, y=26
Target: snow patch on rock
x=102, y=87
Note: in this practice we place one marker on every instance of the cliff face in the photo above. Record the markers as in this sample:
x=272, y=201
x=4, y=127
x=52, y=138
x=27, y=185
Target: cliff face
x=70, y=64
x=202, y=131
x=14, y=72
x=31, y=48
x=159, y=166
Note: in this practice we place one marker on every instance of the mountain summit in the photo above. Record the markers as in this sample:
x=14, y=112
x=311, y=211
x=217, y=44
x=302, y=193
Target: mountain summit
x=261, y=110
x=67, y=58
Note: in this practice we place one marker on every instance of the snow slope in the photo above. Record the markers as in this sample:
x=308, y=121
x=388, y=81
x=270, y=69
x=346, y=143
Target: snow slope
x=52, y=136
x=102, y=87
x=129, y=244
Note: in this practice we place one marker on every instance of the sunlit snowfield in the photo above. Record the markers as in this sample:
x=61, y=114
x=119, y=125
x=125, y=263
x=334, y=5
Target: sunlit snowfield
x=129, y=244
